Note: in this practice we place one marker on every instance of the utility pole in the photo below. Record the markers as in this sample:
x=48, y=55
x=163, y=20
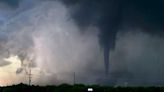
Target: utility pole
x=29, y=75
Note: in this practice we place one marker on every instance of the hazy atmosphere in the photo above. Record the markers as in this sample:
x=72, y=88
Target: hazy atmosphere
x=106, y=42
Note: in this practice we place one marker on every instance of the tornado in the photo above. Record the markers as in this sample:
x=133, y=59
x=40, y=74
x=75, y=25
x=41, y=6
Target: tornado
x=105, y=15
x=106, y=58
x=110, y=26
x=108, y=44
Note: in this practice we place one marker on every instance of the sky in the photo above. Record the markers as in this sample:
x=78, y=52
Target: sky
x=106, y=42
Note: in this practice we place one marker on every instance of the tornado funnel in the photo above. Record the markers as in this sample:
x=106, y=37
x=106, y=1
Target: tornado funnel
x=106, y=59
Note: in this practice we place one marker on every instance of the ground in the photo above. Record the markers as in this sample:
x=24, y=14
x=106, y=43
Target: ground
x=77, y=88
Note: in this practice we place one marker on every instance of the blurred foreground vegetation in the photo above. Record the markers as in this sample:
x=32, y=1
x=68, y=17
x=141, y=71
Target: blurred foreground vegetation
x=77, y=88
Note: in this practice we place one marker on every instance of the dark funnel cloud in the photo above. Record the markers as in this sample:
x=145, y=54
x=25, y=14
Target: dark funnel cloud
x=111, y=16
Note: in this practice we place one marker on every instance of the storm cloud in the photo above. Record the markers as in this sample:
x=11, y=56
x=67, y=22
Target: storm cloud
x=62, y=37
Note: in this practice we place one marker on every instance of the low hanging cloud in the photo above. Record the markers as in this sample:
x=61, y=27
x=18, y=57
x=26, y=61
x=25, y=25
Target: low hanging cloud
x=48, y=36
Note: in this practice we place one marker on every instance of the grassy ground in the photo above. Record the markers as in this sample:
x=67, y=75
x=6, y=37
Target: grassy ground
x=77, y=88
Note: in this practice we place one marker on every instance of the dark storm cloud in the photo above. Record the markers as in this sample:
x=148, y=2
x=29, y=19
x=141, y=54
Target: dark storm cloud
x=145, y=14
x=11, y=3
x=106, y=13
x=113, y=15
